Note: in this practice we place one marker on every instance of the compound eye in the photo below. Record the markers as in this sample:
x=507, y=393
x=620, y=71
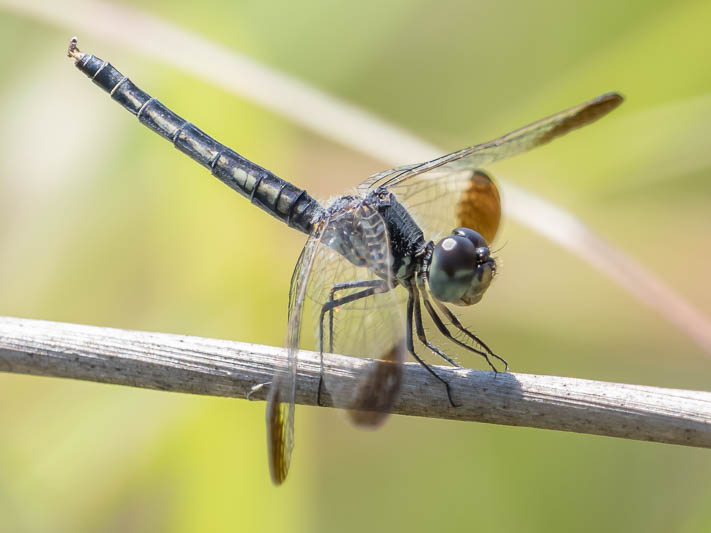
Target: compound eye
x=476, y=239
x=454, y=260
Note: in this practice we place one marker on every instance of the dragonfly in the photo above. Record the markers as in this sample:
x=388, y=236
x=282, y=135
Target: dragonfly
x=408, y=243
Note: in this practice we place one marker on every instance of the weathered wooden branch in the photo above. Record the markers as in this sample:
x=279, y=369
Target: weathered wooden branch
x=226, y=368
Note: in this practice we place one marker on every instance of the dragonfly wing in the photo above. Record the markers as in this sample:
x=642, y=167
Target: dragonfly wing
x=453, y=191
x=516, y=142
x=358, y=311
x=282, y=394
x=446, y=198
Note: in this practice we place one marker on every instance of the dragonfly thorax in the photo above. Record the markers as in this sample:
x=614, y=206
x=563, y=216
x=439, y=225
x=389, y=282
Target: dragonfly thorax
x=405, y=238
x=460, y=267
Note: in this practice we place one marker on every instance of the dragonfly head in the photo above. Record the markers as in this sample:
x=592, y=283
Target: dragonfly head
x=461, y=268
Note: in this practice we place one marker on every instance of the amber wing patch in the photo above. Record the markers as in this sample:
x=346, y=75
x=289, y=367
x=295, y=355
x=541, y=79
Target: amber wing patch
x=479, y=207
x=378, y=391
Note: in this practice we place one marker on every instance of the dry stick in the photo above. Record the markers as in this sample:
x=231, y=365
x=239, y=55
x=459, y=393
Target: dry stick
x=226, y=368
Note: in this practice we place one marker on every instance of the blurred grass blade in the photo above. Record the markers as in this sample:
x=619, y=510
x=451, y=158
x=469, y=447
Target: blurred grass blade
x=573, y=235
x=350, y=126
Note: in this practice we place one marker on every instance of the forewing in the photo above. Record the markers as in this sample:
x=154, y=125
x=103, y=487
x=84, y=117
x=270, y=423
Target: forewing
x=372, y=326
x=280, y=404
x=444, y=198
x=516, y=142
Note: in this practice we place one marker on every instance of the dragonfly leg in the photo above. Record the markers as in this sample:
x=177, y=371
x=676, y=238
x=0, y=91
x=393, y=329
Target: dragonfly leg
x=332, y=296
x=457, y=324
x=419, y=328
x=445, y=331
x=373, y=287
x=411, y=345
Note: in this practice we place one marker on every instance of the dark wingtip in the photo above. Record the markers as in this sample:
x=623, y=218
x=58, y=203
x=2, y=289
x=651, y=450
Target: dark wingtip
x=276, y=444
x=610, y=101
x=584, y=114
x=596, y=108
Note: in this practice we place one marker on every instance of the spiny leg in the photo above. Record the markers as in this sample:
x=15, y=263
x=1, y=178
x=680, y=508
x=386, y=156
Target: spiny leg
x=329, y=306
x=457, y=324
x=331, y=297
x=411, y=346
x=420, y=329
x=445, y=331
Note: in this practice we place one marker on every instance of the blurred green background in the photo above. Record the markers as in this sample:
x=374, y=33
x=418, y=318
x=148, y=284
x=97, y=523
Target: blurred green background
x=102, y=222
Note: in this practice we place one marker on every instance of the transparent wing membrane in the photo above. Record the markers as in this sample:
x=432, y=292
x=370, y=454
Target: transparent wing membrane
x=282, y=394
x=358, y=311
x=511, y=144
